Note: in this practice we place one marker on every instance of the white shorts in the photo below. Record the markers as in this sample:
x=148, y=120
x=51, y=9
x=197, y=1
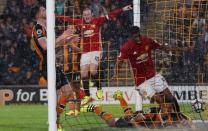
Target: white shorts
x=90, y=58
x=154, y=85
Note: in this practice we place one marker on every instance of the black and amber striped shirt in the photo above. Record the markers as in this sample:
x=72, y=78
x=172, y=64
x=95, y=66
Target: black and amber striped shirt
x=68, y=59
x=75, y=61
x=39, y=32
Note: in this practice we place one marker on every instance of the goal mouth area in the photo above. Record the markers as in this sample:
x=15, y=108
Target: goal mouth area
x=196, y=125
x=90, y=121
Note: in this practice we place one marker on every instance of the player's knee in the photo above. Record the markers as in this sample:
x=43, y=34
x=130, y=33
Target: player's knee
x=76, y=89
x=84, y=76
x=69, y=93
x=169, y=98
x=93, y=72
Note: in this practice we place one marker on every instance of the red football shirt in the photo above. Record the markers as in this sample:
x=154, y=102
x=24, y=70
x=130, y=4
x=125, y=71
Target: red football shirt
x=140, y=57
x=91, y=31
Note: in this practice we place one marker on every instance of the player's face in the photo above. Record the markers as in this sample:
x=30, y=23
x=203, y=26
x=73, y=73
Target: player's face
x=42, y=12
x=87, y=16
x=136, y=37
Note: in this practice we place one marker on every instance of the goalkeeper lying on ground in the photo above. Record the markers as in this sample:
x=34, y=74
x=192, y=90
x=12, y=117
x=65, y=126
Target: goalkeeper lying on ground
x=154, y=118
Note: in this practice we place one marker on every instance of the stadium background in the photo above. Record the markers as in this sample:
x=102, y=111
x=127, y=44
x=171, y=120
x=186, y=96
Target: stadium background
x=166, y=21
x=19, y=64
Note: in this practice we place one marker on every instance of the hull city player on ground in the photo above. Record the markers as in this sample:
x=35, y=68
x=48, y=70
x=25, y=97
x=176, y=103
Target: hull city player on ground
x=39, y=42
x=149, y=84
x=152, y=118
x=91, y=46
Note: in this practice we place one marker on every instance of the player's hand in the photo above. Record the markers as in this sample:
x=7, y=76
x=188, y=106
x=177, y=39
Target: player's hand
x=69, y=31
x=126, y=8
x=70, y=36
x=73, y=38
x=75, y=48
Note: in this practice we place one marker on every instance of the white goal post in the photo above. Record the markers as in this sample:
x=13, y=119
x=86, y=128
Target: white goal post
x=136, y=17
x=51, y=70
x=136, y=11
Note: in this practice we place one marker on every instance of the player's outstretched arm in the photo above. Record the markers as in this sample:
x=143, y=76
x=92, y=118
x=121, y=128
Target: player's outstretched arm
x=43, y=42
x=165, y=47
x=69, y=19
x=180, y=49
x=63, y=37
x=126, y=8
x=117, y=12
x=69, y=37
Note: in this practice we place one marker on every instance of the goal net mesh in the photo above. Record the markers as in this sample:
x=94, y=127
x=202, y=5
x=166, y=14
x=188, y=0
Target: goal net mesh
x=177, y=23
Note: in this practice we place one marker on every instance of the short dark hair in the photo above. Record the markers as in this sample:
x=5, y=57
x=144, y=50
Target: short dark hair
x=134, y=30
x=34, y=10
x=86, y=8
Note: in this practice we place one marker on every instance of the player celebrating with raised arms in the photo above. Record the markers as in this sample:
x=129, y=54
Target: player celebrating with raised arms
x=149, y=84
x=91, y=45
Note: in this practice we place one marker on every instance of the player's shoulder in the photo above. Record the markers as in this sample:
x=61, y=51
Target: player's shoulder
x=145, y=38
x=39, y=30
x=38, y=26
x=97, y=19
x=130, y=42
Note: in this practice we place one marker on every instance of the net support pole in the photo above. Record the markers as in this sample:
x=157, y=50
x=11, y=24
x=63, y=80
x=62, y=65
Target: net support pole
x=136, y=11
x=50, y=16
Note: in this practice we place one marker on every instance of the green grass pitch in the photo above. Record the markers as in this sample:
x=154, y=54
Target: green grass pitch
x=34, y=118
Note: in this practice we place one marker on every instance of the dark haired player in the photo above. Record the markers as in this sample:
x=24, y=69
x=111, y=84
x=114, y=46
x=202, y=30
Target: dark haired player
x=67, y=84
x=150, y=85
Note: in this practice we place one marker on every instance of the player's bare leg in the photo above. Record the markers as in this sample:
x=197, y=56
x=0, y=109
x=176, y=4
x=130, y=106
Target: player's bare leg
x=166, y=97
x=173, y=100
x=63, y=95
x=85, y=80
x=59, y=108
x=169, y=105
x=74, y=104
x=96, y=78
